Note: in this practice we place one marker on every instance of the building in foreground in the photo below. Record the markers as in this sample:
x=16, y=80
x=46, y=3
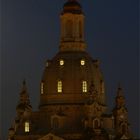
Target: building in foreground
x=72, y=94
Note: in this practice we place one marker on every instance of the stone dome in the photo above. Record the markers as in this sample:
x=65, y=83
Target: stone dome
x=72, y=6
x=71, y=73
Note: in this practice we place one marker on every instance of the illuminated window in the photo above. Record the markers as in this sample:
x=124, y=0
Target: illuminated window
x=42, y=88
x=84, y=86
x=61, y=62
x=59, y=86
x=82, y=62
x=27, y=127
x=47, y=64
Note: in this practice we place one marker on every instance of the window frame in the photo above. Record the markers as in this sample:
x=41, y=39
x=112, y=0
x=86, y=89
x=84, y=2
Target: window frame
x=42, y=88
x=84, y=86
x=59, y=86
x=82, y=62
x=27, y=127
x=61, y=62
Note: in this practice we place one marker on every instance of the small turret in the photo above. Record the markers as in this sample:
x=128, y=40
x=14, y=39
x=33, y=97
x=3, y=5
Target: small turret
x=121, y=116
x=94, y=110
x=120, y=100
x=24, y=107
x=11, y=133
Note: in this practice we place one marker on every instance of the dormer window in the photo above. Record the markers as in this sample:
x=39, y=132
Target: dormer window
x=82, y=62
x=27, y=126
x=61, y=62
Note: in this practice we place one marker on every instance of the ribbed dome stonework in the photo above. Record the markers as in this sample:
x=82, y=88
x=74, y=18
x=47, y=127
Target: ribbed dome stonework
x=72, y=73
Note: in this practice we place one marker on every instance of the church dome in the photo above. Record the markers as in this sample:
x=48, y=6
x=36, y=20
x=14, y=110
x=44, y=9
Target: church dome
x=72, y=6
x=72, y=69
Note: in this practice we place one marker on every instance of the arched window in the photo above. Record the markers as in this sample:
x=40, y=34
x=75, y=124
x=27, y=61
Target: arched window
x=84, y=86
x=42, y=88
x=69, y=28
x=55, y=123
x=124, y=129
x=59, y=86
x=96, y=124
x=27, y=126
x=61, y=62
x=82, y=62
x=86, y=123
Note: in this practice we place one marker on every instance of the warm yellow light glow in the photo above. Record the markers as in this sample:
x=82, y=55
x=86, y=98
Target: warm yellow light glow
x=82, y=62
x=47, y=64
x=61, y=62
x=27, y=127
x=84, y=86
x=59, y=86
x=42, y=88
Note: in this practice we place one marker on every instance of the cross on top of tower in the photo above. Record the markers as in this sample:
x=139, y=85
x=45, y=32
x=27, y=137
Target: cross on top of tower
x=24, y=88
x=120, y=90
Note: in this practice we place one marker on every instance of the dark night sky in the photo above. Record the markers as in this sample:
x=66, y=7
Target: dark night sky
x=30, y=35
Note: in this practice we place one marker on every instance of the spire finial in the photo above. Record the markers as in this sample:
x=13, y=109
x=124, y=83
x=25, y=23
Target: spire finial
x=24, y=82
x=24, y=85
x=119, y=85
x=120, y=90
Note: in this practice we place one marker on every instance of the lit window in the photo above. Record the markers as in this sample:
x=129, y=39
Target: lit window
x=61, y=62
x=42, y=88
x=84, y=86
x=27, y=127
x=47, y=64
x=59, y=86
x=82, y=62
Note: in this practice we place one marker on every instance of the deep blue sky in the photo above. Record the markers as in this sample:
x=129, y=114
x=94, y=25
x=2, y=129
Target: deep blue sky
x=31, y=33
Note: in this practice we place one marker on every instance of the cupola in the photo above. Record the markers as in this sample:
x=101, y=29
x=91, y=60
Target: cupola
x=72, y=27
x=72, y=6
